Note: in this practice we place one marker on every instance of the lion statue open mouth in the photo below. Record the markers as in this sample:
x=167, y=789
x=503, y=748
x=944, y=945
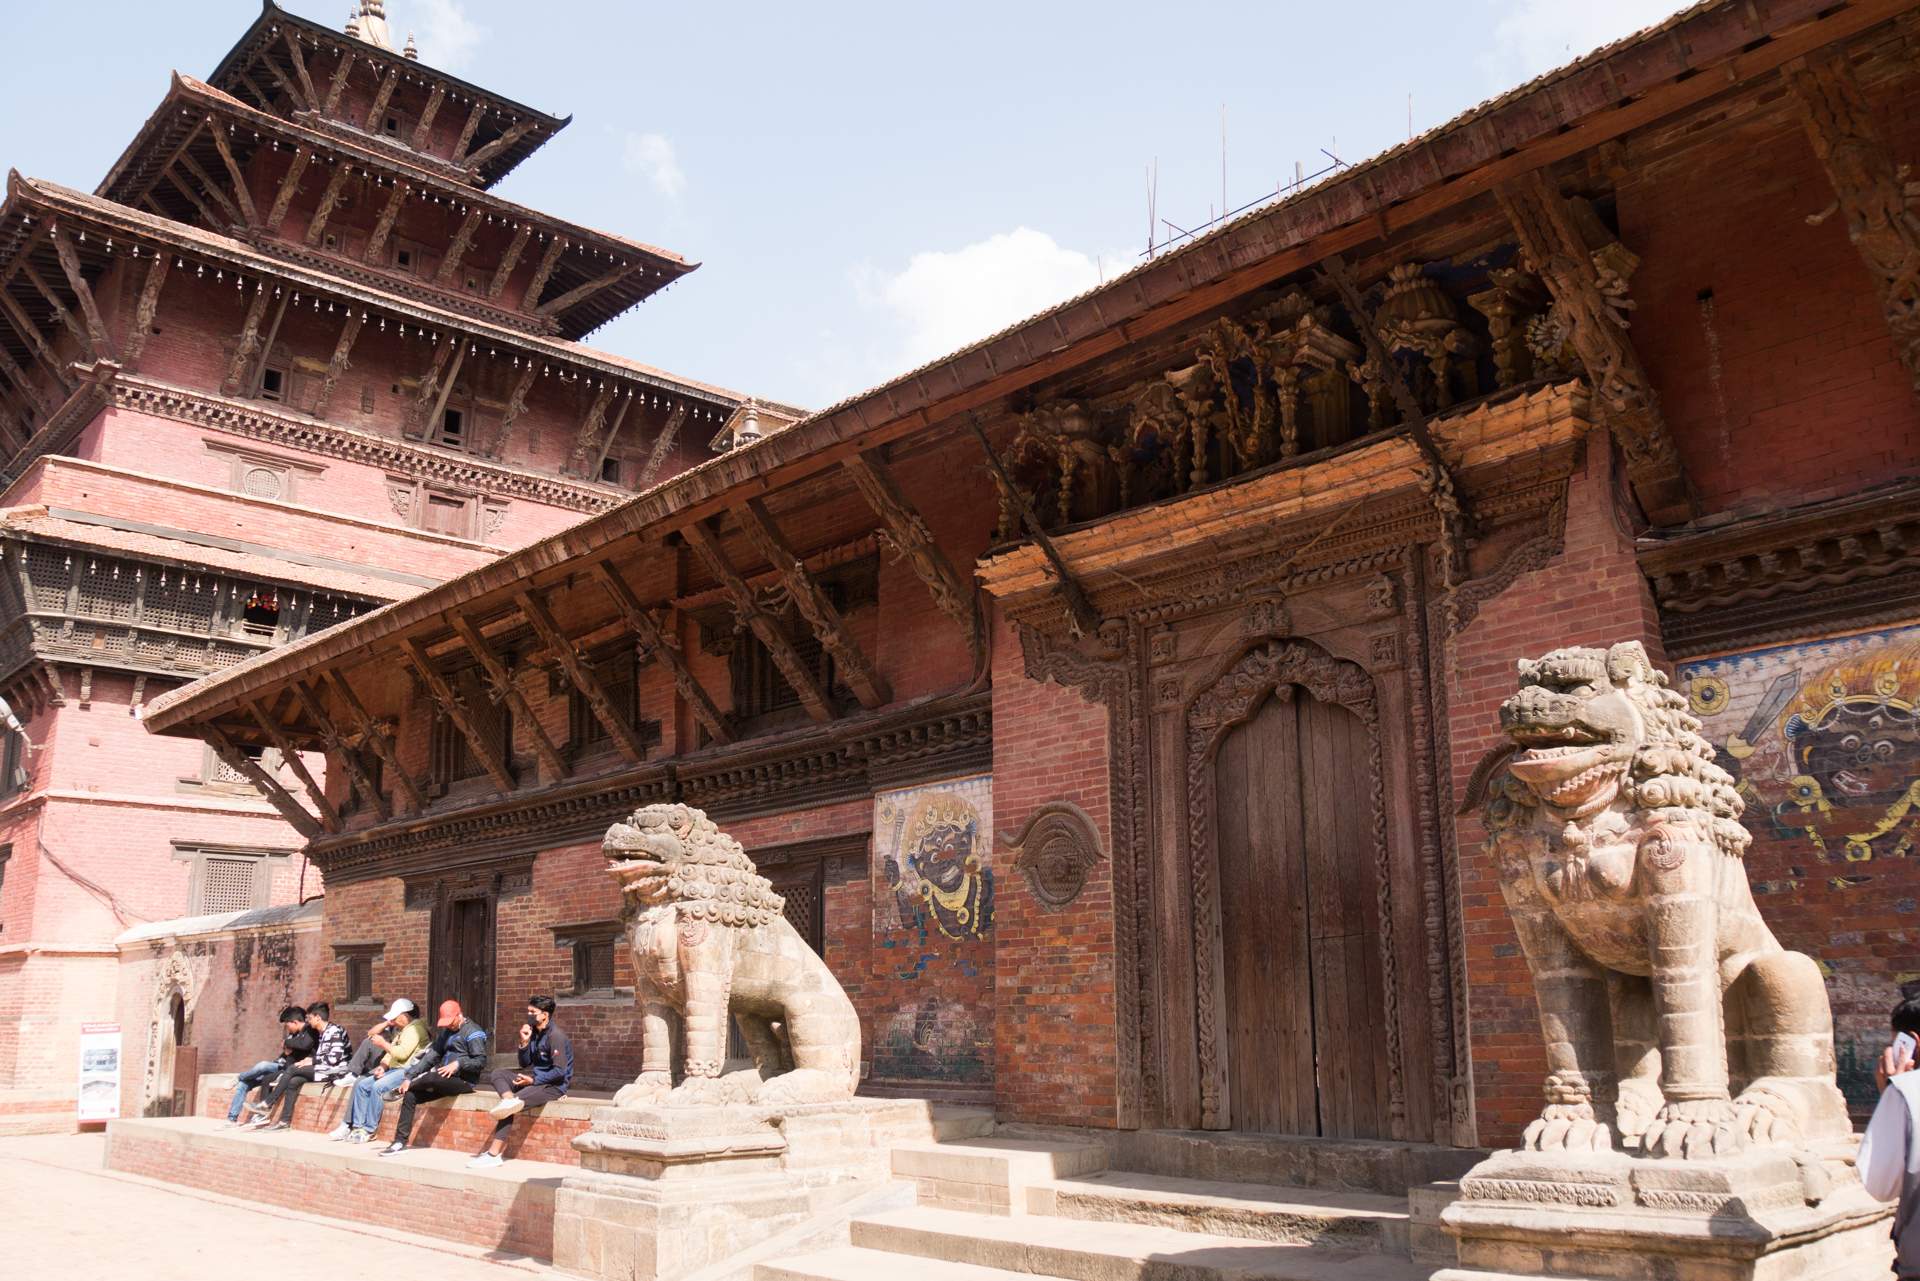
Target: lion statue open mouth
x=709, y=942
x=1672, y=1015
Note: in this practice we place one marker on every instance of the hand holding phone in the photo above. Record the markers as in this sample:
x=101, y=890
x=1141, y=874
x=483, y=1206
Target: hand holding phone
x=1896, y=1058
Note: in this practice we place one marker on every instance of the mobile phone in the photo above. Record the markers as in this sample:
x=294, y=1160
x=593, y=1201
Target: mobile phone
x=1905, y=1048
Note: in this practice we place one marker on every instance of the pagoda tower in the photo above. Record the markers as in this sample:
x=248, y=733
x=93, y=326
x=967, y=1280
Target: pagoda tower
x=291, y=361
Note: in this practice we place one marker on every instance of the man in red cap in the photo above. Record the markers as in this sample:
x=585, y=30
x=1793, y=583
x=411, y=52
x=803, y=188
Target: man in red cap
x=448, y=1066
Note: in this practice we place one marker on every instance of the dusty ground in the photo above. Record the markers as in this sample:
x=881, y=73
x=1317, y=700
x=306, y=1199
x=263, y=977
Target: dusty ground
x=72, y=1220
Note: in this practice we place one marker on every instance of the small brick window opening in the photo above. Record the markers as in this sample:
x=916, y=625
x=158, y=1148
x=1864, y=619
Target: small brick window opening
x=359, y=980
x=593, y=968
x=261, y=482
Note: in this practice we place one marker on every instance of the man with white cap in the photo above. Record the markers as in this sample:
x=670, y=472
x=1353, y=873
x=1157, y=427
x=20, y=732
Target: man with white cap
x=370, y=1092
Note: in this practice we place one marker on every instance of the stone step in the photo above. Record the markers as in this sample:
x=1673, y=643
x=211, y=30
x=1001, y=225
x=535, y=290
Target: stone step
x=851, y=1263
x=952, y=1122
x=1254, y=1211
x=990, y=1175
x=1087, y=1251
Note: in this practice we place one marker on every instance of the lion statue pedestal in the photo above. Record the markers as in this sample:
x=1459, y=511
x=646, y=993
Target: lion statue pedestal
x=692, y=1163
x=1692, y=1127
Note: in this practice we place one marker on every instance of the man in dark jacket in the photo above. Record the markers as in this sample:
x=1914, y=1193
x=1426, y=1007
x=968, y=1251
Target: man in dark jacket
x=546, y=1070
x=297, y=1044
x=448, y=1066
x=328, y=1060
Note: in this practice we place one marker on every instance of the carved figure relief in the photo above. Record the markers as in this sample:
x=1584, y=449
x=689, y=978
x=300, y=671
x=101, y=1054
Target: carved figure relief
x=1055, y=849
x=1610, y=815
x=709, y=941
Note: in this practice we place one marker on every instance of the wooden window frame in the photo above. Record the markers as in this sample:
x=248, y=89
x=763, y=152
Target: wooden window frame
x=358, y=956
x=580, y=939
x=266, y=861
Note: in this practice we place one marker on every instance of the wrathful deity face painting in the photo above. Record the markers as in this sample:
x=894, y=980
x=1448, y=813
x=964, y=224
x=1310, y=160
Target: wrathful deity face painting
x=934, y=867
x=1822, y=739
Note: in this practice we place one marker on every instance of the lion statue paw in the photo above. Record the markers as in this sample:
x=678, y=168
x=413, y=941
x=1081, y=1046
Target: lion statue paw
x=1766, y=1112
x=1695, y=1129
x=714, y=1091
x=1638, y=1102
x=1568, y=1127
x=648, y=1087
x=804, y=1085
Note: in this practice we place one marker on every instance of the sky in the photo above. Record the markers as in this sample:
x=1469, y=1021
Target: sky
x=866, y=186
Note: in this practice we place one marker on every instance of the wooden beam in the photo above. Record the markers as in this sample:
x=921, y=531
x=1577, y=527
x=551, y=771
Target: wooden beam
x=36, y=403
x=503, y=685
x=474, y=118
x=213, y=190
x=375, y=738
x=31, y=334
x=662, y=443
x=334, y=90
x=349, y=331
x=77, y=280
x=581, y=293
x=500, y=144
x=248, y=344
x=548, y=261
x=214, y=222
x=510, y=261
x=269, y=787
x=258, y=378
x=378, y=110
x=300, y=70
x=383, y=228
x=67, y=318
x=456, y=711
x=951, y=594
x=264, y=98
x=288, y=185
x=338, y=748
x=606, y=446
x=240, y=192
x=144, y=312
x=581, y=677
x=860, y=671
x=424, y=130
x=430, y=385
x=583, y=439
x=516, y=403
x=665, y=646
x=300, y=102
x=707, y=547
x=329, y=817
x=56, y=685
x=446, y=386
x=317, y=228
x=462, y=241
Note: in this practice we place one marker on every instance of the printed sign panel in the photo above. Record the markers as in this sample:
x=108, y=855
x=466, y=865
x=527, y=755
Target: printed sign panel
x=99, y=1071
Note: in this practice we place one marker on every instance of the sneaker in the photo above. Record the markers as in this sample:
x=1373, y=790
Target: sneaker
x=344, y=1082
x=260, y=1122
x=229, y=1125
x=359, y=1136
x=340, y=1132
x=505, y=1108
x=485, y=1161
x=258, y=1109
x=393, y=1149
x=281, y=1125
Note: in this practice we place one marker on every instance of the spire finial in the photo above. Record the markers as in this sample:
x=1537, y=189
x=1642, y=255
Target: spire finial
x=410, y=51
x=353, y=23
x=373, y=24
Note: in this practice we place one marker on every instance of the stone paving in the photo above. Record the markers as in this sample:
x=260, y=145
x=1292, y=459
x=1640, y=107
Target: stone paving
x=86, y=1222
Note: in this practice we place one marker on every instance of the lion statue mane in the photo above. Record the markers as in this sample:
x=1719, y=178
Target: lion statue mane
x=709, y=941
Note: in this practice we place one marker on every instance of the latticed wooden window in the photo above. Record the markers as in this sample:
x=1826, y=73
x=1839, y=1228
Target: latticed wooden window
x=227, y=885
x=52, y=573
x=107, y=590
x=618, y=679
x=759, y=686
x=453, y=756
x=593, y=967
x=803, y=910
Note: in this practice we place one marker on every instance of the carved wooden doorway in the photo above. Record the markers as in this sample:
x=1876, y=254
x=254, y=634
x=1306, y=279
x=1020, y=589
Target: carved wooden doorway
x=1305, y=1019
x=462, y=961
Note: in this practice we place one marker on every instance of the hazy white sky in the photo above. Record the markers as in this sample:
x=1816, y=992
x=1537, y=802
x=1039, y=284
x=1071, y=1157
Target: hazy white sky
x=868, y=185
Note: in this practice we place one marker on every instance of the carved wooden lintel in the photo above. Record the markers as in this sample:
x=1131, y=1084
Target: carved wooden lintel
x=456, y=711
x=1871, y=189
x=707, y=547
x=375, y=737
x=503, y=687
x=269, y=787
x=930, y=563
x=241, y=194
x=580, y=675
x=329, y=817
x=338, y=364
x=868, y=684
x=70, y=266
x=666, y=647
x=1628, y=404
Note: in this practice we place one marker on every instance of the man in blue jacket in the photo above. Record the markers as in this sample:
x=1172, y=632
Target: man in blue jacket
x=449, y=1066
x=546, y=1069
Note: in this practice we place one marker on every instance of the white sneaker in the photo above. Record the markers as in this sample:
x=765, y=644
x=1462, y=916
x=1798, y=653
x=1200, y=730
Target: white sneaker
x=392, y=1149
x=343, y=1083
x=229, y=1125
x=260, y=1122
x=485, y=1161
x=505, y=1108
x=340, y=1132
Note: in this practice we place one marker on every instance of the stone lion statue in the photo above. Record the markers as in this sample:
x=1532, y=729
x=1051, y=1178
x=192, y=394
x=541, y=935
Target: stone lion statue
x=709, y=940
x=1671, y=1012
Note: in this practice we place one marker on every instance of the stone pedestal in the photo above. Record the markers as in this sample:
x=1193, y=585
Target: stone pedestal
x=663, y=1192
x=1771, y=1214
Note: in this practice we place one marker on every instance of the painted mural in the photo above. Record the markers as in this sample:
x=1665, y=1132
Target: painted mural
x=1823, y=741
x=933, y=888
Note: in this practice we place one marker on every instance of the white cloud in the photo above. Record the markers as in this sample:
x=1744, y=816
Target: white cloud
x=1536, y=36
x=652, y=155
x=447, y=35
x=943, y=301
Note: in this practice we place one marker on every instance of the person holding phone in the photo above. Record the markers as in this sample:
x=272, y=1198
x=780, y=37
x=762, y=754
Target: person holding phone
x=546, y=1070
x=1889, y=1158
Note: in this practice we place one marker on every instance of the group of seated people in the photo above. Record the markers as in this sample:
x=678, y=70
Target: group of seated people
x=399, y=1056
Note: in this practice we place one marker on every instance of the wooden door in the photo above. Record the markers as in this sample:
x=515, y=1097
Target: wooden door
x=1306, y=1032
x=463, y=961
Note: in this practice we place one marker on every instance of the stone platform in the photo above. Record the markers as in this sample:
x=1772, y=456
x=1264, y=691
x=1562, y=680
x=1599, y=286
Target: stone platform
x=52, y=1111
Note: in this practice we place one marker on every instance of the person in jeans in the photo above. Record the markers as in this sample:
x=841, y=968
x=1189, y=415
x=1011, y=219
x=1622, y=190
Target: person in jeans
x=297, y=1044
x=546, y=1070
x=370, y=1092
x=377, y=1045
x=327, y=1062
x=448, y=1066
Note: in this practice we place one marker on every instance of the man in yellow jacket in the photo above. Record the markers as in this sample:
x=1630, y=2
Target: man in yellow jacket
x=370, y=1092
